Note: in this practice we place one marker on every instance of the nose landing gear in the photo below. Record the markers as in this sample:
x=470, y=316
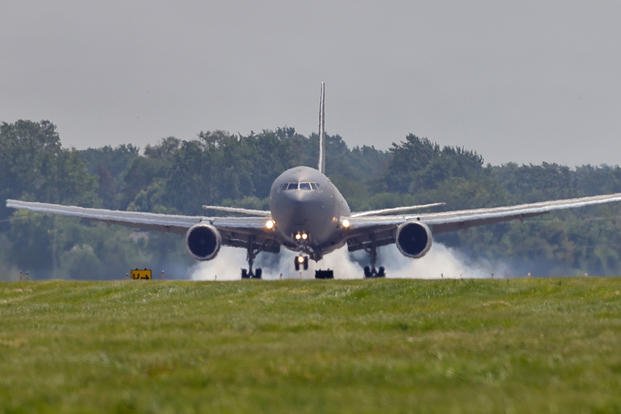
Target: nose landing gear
x=300, y=262
x=324, y=274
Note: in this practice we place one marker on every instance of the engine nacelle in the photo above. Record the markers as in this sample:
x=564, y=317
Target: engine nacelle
x=413, y=239
x=203, y=241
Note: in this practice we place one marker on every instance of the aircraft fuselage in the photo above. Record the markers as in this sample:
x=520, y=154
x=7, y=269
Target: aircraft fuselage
x=307, y=209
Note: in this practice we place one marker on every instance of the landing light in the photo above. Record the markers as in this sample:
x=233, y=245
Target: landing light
x=298, y=236
x=269, y=224
x=300, y=259
x=345, y=223
x=304, y=236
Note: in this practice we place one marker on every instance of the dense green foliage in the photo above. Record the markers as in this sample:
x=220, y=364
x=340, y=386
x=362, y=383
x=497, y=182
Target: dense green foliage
x=519, y=345
x=217, y=167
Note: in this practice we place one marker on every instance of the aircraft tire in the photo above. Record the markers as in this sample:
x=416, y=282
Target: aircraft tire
x=324, y=274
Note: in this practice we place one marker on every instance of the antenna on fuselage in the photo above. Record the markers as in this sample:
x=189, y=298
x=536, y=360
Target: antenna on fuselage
x=322, y=130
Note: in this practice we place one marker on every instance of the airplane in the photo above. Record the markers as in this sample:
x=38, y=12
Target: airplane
x=308, y=215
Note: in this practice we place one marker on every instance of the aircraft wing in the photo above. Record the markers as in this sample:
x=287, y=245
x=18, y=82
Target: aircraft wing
x=380, y=230
x=394, y=210
x=235, y=231
x=237, y=210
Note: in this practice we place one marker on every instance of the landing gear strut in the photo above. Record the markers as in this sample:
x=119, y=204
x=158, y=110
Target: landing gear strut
x=251, y=254
x=371, y=271
x=300, y=262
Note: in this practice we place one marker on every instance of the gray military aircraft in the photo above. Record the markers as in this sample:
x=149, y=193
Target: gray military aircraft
x=309, y=216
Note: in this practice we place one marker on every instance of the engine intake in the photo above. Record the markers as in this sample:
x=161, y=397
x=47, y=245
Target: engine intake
x=203, y=241
x=413, y=239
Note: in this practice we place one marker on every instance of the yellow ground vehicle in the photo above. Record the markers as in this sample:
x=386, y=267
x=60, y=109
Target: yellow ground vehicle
x=140, y=274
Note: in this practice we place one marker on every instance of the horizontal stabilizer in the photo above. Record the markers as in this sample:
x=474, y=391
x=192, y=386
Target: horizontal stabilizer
x=395, y=210
x=238, y=210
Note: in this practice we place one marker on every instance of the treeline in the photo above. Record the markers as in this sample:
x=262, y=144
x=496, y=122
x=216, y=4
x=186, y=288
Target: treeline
x=178, y=176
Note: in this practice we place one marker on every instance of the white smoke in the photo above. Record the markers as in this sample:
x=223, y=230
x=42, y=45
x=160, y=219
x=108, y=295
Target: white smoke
x=229, y=262
x=440, y=262
x=226, y=266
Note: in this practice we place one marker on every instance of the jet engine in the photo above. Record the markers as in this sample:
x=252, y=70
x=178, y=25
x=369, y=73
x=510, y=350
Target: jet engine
x=203, y=241
x=413, y=239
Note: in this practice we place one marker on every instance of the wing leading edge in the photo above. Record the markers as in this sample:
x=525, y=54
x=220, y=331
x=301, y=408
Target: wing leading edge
x=238, y=210
x=394, y=210
x=380, y=230
x=236, y=231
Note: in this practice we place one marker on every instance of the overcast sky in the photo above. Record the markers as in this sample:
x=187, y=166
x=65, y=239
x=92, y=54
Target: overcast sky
x=524, y=81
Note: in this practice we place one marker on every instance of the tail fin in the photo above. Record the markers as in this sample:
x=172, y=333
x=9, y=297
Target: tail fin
x=322, y=130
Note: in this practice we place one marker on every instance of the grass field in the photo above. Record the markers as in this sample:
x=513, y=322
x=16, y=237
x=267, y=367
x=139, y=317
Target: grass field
x=521, y=345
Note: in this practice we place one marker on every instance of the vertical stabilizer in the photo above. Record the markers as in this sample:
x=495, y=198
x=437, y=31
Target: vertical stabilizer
x=322, y=129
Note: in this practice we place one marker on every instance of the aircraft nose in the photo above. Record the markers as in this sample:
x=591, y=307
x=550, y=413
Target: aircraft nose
x=295, y=197
x=298, y=207
x=297, y=202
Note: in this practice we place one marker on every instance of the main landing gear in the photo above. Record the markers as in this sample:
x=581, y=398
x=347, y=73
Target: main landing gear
x=371, y=271
x=249, y=274
x=250, y=256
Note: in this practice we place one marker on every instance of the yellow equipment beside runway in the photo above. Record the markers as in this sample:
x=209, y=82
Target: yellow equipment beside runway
x=141, y=274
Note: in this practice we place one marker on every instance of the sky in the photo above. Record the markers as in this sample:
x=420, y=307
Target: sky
x=517, y=81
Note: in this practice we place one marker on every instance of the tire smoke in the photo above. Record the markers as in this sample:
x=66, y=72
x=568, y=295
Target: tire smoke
x=440, y=262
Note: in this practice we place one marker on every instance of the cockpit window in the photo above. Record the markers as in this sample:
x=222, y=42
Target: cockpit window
x=299, y=186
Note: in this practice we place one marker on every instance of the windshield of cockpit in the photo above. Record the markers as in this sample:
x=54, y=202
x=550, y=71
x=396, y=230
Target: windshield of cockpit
x=299, y=186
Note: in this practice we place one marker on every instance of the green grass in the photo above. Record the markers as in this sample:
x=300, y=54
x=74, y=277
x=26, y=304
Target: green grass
x=527, y=345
